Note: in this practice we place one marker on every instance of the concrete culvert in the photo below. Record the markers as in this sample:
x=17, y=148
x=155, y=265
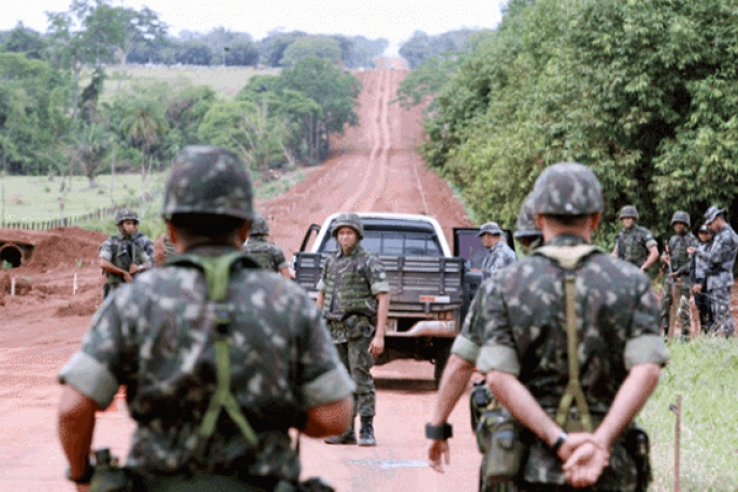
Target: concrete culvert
x=11, y=254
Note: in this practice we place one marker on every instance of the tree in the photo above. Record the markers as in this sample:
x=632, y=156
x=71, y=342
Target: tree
x=89, y=148
x=194, y=53
x=142, y=126
x=24, y=40
x=313, y=46
x=274, y=45
x=242, y=53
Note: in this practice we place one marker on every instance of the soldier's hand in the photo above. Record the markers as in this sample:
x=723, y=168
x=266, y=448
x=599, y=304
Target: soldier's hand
x=127, y=277
x=585, y=465
x=691, y=250
x=673, y=275
x=697, y=288
x=133, y=269
x=573, y=441
x=82, y=487
x=376, y=346
x=664, y=258
x=438, y=451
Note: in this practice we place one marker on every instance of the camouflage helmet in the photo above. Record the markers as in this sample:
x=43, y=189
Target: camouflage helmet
x=682, y=217
x=351, y=220
x=567, y=188
x=526, y=227
x=208, y=180
x=125, y=214
x=712, y=214
x=705, y=228
x=259, y=226
x=491, y=228
x=629, y=211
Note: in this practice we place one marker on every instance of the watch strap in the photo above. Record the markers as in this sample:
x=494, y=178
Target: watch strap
x=438, y=432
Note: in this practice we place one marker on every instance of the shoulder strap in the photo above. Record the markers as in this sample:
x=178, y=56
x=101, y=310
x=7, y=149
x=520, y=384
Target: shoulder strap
x=217, y=274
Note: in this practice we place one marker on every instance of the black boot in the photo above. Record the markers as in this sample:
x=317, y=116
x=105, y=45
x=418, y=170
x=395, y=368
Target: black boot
x=366, y=434
x=348, y=437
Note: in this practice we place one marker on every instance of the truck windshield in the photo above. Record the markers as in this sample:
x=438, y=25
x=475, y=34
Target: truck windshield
x=395, y=243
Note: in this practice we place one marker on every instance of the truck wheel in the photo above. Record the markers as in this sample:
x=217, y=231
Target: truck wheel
x=442, y=354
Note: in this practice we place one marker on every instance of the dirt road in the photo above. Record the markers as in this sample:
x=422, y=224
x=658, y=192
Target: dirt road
x=377, y=169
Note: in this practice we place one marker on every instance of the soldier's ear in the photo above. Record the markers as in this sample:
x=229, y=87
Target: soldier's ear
x=174, y=238
x=595, y=223
x=243, y=232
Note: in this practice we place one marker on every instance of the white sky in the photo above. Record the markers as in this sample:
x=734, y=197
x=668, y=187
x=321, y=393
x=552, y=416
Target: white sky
x=395, y=20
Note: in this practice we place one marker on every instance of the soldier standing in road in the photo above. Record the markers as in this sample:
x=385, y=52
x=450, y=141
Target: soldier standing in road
x=266, y=254
x=635, y=244
x=124, y=255
x=499, y=255
x=676, y=257
x=353, y=293
x=720, y=260
x=462, y=362
x=608, y=364
x=699, y=278
x=219, y=357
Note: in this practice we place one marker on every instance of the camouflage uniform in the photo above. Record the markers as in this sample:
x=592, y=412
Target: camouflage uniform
x=144, y=242
x=350, y=283
x=699, y=276
x=499, y=255
x=680, y=264
x=633, y=244
x=169, y=250
x=720, y=260
x=522, y=315
x=122, y=252
x=267, y=255
x=156, y=337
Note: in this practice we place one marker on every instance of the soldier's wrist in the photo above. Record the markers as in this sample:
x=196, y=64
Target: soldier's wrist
x=438, y=432
x=86, y=474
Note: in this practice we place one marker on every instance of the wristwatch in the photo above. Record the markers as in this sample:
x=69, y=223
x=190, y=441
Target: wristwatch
x=86, y=475
x=438, y=432
x=563, y=436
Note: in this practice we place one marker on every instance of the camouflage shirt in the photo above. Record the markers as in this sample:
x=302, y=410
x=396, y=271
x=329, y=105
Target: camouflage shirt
x=351, y=282
x=145, y=243
x=266, y=254
x=499, y=256
x=700, y=262
x=720, y=258
x=680, y=259
x=633, y=244
x=522, y=315
x=156, y=337
x=124, y=252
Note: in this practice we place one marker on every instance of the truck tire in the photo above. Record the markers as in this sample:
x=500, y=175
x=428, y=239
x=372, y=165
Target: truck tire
x=442, y=353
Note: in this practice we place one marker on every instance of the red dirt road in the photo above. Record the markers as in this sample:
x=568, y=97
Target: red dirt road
x=376, y=169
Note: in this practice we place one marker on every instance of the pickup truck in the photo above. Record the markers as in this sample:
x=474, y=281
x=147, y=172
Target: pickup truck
x=431, y=287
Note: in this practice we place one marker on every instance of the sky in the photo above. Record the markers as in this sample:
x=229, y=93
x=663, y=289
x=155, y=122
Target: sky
x=395, y=20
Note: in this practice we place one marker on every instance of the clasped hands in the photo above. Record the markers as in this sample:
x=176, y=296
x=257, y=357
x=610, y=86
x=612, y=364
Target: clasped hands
x=584, y=456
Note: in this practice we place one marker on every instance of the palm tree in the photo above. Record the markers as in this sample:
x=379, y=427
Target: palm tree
x=142, y=126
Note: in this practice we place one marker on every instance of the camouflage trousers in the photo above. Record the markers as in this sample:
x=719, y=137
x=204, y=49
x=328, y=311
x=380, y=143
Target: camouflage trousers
x=723, y=319
x=683, y=291
x=352, y=337
x=704, y=306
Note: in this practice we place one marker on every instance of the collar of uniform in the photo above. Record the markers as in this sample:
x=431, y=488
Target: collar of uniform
x=208, y=250
x=567, y=250
x=354, y=252
x=566, y=240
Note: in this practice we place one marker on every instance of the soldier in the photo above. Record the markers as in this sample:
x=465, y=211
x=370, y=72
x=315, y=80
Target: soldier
x=679, y=262
x=353, y=293
x=720, y=260
x=462, y=362
x=499, y=255
x=698, y=278
x=533, y=367
x=219, y=357
x=266, y=254
x=126, y=254
x=635, y=244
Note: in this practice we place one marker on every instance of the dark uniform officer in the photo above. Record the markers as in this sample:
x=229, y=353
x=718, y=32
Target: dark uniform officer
x=266, y=254
x=125, y=254
x=353, y=293
x=613, y=315
x=461, y=365
x=720, y=260
x=219, y=358
x=499, y=254
x=680, y=267
x=635, y=244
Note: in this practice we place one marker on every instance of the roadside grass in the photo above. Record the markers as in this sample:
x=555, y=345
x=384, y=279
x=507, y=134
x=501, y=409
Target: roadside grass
x=705, y=374
x=226, y=81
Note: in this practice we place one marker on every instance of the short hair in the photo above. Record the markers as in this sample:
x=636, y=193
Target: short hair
x=568, y=220
x=215, y=228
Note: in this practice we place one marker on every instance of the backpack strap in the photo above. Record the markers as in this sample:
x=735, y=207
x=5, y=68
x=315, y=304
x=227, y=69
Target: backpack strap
x=569, y=257
x=217, y=274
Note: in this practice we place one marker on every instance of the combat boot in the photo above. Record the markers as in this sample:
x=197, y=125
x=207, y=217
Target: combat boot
x=366, y=434
x=348, y=437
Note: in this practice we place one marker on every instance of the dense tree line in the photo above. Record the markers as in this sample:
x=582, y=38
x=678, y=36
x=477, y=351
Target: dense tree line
x=643, y=92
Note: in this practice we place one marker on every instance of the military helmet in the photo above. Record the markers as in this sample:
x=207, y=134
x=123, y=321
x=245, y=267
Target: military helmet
x=629, y=211
x=259, y=226
x=208, y=180
x=712, y=214
x=125, y=214
x=350, y=220
x=490, y=228
x=705, y=228
x=682, y=217
x=567, y=188
x=526, y=227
